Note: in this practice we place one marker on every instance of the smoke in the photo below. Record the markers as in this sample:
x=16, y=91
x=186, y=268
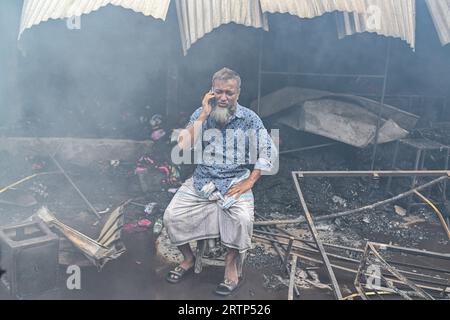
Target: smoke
x=99, y=80
x=9, y=17
x=92, y=79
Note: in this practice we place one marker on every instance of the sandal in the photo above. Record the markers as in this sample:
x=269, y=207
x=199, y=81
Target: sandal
x=178, y=274
x=227, y=287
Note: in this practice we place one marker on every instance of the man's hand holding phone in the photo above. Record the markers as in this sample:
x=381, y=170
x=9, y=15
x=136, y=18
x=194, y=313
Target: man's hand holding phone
x=189, y=136
x=207, y=105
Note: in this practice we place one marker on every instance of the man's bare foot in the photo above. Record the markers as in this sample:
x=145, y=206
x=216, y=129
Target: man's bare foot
x=230, y=266
x=181, y=271
x=187, y=263
x=188, y=255
x=232, y=276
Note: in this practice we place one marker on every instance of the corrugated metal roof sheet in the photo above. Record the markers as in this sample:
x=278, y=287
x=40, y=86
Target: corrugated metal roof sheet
x=37, y=11
x=199, y=17
x=312, y=8
x=440, y=12
x=397, y=18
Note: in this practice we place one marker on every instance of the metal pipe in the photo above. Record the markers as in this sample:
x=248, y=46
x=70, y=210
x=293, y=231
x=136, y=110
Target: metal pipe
x=359, y=273
x=312, y=228
x=384, y=202
x=372, y=173
x=313, y=250
x=288, y=252
x=260, y=58
x=307, y=148
x=76, y=188
x=396, y=95
x=292, y=277
x=138, y=204
x=383, y=95
x=431, y=254
x=353, y=211
x=309, y=241
x=379, y=76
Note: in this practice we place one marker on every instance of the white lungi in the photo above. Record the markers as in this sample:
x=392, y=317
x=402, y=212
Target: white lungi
x=190, y=217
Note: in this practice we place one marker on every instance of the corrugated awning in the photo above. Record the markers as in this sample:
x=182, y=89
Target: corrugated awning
x=199, y=17
x=37, y=11
x=391, y=18
x=395, y=18
x=312, y=8
x=440, y=12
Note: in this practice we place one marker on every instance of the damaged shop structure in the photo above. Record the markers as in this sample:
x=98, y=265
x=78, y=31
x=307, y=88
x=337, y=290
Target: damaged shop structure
x=34, y=250
x=402, y=278
x=31, y=251
x=349, y=119
x=358, y=210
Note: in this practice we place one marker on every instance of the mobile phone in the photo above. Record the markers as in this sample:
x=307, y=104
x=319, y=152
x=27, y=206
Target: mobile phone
x=212, y=102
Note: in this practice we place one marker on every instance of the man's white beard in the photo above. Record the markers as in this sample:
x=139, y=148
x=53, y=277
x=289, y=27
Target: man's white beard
x=222, y=115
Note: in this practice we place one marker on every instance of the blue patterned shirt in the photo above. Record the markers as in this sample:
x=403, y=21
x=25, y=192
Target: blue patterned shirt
x=226, y=144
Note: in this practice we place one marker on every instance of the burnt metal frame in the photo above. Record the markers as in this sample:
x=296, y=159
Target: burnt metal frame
x=443, y=175
x=437, y=286
x=312, y=228
x=383, y=94
x=420, y=160
x=424, y=279
x=275, y=244
x=305, y=245
x=301, y=174
x=383, y=77
x=373, y=248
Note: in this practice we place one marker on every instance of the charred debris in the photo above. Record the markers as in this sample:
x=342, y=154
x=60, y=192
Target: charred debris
x=358, y=210
x=314, y=228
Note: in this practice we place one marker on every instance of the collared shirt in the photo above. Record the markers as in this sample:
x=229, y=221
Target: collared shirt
x=224, y=157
